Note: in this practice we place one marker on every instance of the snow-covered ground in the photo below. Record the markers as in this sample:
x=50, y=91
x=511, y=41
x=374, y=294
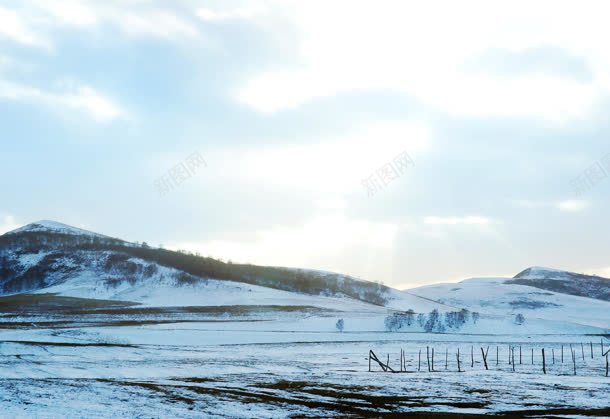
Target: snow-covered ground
x=103, y=334
x=282, y=358
x=281, y=368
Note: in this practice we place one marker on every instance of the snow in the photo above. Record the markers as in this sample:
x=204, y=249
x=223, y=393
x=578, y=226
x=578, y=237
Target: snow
x=90, y=279
x=265, y=353
x=495, y=296
x=268, y=369
x=54, y=227
x=496, y=301
x=163, y=291
x=536, y=272
x=27, y=260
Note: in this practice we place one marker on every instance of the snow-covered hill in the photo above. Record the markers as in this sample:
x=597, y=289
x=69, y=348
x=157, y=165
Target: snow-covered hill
x=51, y=257
x=502, y=296
x=565, y=282
x=54, y=227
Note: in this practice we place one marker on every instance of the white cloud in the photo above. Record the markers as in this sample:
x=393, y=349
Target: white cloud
x=36, y=21
x=161, y=23
x=68, y=12
x=468, y=220
x=215, y=16
x=13, y=27
x=86, y=99
x=412, y=48
x=572, y=206
x=333, y=166
x=8, y=223
x=530, y=204
x=73, y=97
x=567, y=206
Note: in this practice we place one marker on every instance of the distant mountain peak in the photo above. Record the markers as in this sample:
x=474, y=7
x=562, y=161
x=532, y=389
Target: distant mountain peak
x=540, y=271
x=50, y=226
x=564, y=282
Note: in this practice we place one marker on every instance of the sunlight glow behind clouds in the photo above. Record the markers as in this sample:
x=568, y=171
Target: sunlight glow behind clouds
x=324, y=241
x=332, y=165
x=414, y=48
x=572, y=206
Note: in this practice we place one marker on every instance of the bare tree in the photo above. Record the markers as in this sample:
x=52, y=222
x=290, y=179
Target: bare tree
x=519, y=319
x=340, y=325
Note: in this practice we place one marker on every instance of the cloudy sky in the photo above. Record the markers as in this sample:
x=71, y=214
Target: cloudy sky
x=403, y=142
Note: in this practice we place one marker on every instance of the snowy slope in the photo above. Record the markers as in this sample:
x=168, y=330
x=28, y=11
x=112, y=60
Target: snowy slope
x=565, y=282
x=167, y=287
x=164, y=289
x=115, y=276
x=500, y=297
x=54, y=227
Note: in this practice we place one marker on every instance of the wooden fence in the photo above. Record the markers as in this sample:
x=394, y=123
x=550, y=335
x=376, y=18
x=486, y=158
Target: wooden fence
x=545, y=362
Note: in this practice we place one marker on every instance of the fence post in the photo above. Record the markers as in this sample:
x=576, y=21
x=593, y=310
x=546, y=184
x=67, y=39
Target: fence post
x=384, y=367
x=484, y=358
x=574, y=360
x=543, y=362
x=472, y=357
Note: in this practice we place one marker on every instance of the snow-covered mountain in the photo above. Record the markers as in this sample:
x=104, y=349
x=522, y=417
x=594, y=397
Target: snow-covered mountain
x=509, y=297
x=565, y=282
x=51, y=257
x=54, y=227
x=47, y=257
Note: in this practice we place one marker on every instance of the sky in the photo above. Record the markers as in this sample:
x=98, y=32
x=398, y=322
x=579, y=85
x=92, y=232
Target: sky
x=397, y=141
